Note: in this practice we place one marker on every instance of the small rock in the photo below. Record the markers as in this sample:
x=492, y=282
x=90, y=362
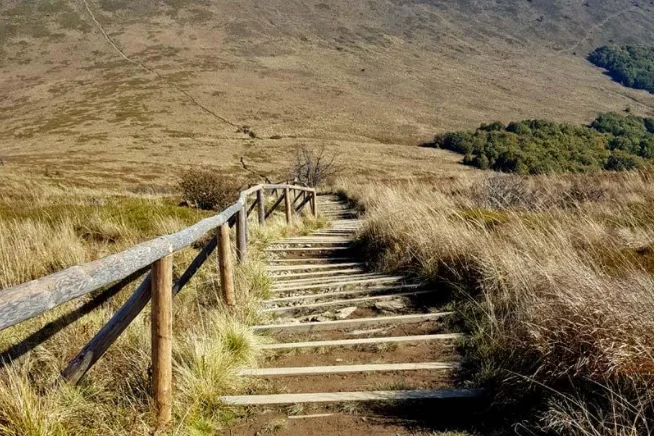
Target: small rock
x=345, y=312
x=390, y=306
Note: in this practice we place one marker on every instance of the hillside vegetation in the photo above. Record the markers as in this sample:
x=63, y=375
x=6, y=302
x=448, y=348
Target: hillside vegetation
x=629, y=65
x=361, y=78
x=610, y=142
x=554, y=278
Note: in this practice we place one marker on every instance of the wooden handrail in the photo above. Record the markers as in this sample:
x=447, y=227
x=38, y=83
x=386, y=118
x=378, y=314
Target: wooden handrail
x=33, y=298
x=27, y=300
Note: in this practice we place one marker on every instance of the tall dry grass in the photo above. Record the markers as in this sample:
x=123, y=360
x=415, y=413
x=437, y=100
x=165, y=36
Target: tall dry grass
x=44, y=229
x=554, y=280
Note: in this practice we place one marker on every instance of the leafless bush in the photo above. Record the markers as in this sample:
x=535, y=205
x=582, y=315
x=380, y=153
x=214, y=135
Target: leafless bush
x=208, y=189
x=314, y=166
x=504, y=192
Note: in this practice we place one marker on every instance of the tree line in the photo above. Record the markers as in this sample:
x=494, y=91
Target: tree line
x=611, y=142
x=630, y=65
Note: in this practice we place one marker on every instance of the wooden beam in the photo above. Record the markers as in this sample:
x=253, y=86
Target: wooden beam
x=225, y=265
x=275, y=205
x=287, y=205
x=361, y=341
x=161, y=317
x=341, y=369
x=314, y=204
x=242, y=236
x=107, y=335
x=331, y=397
x=348, y=323
x=261, y=207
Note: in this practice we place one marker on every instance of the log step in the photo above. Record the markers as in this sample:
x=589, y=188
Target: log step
x=282, y=277
x=348, y=323
x=331, y=397
x=361, y=341
x=340, y=369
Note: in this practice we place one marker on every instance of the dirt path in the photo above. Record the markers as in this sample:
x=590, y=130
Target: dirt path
x=351, y=351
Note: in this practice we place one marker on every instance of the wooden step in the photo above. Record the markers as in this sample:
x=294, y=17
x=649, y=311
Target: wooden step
x=331, y=397
x=318, y=260
x=340, y=369
x=292, y=249
x=346, y=302
x=329, y=272
x=369, y=290
x=361, y=341
x=318, y=280
x=313, y=266
x=349, y=323
x=338, y=284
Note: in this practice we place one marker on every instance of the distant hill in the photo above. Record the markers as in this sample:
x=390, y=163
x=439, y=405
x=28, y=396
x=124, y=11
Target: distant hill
x=190, y=72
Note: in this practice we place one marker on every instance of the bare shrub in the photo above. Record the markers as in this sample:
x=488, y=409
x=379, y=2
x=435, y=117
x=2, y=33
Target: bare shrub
x=314, y=166
x=209, y=189
x=504, y=192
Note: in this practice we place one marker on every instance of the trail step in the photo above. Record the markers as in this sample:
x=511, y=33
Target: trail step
x=340, y=272
x=318, y=296
x=349, y=323
x=331, y=397
x=345, y=302
x=361, y=341
x=340, y=369
x=314, y=266
x=337, y=284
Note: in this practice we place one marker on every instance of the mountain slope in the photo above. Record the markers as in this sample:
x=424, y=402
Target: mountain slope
x=180, y=75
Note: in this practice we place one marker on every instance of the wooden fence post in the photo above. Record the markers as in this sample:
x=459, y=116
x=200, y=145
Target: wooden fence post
x=225, y=264
x=162, y=338
x=287, y=205
x=242, y=235
x=261, y=211
x=314, y=205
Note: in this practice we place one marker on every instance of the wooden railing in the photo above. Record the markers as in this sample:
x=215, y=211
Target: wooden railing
x=34, y=298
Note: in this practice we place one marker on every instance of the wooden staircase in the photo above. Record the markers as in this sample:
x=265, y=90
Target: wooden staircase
x=342, y=333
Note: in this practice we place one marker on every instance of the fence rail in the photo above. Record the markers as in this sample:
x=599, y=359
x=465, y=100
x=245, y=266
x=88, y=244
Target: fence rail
x=25, y=301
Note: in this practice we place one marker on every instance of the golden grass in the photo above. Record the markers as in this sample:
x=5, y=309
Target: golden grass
x=44, y=228
x=555, y=287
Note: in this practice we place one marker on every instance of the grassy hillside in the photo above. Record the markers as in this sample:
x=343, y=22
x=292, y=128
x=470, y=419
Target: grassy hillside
x=354, y=76
x=554, y=279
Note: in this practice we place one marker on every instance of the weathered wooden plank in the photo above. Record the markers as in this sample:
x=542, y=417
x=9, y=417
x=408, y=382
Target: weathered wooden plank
x=287, y=205
x=349, y=323
x=361, y=341
x=161, y=317
x=341, y=369
x=242, y=236
x=274, y=206
x=331, y=397
x=261, y=207
x=225, y=265
x=108, y=334
x=30, y=299
x=363, y=301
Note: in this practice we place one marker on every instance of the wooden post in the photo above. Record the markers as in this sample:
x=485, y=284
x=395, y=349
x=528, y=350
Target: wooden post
x=225, y=264
x=314, y=205
x=287, y=205
x=162, y=338
x=261, y=211
x=242, y=236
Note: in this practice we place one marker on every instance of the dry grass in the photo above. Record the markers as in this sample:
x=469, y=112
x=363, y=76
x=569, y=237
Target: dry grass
x=555, y=286
x=44, y=228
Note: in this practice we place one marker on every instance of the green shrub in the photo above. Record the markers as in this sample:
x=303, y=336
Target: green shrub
x=630, y=65
x=610, y=142
x=209, y=189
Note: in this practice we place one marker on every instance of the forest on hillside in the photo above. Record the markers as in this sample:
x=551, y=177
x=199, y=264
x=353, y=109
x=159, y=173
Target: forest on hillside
x=611, y=142
x=630, y=65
